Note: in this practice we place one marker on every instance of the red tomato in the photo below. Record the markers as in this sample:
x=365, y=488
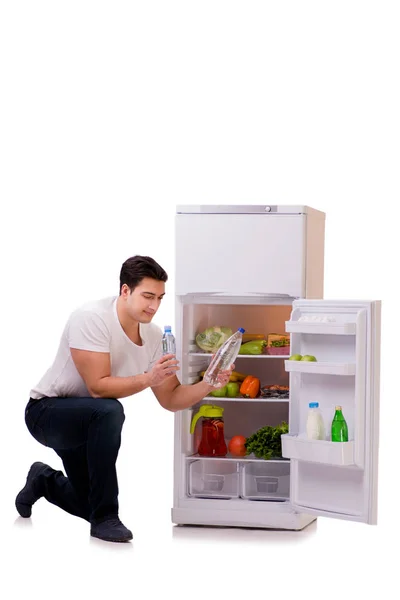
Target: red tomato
x=236, y=445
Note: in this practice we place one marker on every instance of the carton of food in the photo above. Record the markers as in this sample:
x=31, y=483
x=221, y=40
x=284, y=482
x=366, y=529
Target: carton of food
x=277, y=340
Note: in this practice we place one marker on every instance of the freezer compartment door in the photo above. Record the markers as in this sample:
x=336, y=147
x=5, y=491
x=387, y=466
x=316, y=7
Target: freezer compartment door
x=331, y=478
x=239, y=254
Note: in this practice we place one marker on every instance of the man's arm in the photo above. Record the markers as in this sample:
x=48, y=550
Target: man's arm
x=173, y=396
x=95, y=370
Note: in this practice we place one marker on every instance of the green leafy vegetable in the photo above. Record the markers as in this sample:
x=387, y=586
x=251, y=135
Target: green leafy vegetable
x=266, y=442
x=212, y=338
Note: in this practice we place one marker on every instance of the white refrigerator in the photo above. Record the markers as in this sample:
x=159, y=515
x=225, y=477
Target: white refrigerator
x=262, y=268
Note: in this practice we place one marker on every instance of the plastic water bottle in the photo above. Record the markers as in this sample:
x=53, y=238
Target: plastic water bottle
x=168, y=341
x=224, y=357
x=315, y=424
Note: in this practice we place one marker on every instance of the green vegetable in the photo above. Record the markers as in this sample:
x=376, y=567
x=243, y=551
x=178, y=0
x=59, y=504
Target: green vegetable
x=254, y=347
x=266, y=442
x=212, y=338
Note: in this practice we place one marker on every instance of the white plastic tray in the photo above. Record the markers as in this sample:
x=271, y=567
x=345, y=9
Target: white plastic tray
x=325, y=368
x=319, y=451
x=321, y=328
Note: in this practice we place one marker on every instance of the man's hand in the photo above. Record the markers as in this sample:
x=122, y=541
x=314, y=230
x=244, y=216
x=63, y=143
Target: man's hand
x=164, y=368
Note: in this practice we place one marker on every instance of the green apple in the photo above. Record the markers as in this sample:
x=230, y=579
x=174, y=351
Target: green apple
x=295, y=357
x=309, y=357
x=219, y=392
x=232, y=389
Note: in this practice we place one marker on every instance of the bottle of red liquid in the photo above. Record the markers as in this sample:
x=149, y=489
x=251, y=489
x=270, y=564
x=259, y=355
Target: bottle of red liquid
x=212, y=441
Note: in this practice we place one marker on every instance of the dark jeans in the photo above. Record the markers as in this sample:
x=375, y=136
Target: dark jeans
x=86, y=434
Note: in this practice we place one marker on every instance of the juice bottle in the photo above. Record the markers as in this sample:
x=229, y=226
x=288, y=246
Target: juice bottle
x=212, y=441
x=339, y=430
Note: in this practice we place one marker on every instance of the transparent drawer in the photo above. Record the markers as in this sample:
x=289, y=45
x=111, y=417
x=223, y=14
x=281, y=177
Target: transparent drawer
x=213, y=479
x=269, y=481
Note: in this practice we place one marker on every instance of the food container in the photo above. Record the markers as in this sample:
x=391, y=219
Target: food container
x=213, y=479
x=278, y=344
x=265, y=481
x=278, y=339
x=278, y=350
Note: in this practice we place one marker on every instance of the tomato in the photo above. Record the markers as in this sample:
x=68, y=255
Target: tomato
x=236, y=445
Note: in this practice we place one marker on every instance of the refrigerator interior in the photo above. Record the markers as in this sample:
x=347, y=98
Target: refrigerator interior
x=247, y=479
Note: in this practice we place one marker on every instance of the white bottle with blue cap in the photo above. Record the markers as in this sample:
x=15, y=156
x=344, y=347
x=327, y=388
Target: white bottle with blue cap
x=315, y=423
x=168, y=341
x=224, y=357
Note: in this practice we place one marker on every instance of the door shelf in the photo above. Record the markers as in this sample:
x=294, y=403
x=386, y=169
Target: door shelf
x=323, y=368
x=319, y=451
x=321, y=328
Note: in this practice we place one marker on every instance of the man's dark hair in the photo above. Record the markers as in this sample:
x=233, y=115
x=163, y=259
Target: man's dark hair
x=137, y=268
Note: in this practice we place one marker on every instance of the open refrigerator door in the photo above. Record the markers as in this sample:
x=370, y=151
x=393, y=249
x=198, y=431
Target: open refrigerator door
x=328, y=478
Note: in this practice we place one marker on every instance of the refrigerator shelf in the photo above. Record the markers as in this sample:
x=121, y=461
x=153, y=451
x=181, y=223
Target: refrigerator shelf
x=321, y=328
x=318, y=451
x=208, y=355
x=324, y=368
x=250, y=458
x=266, y=400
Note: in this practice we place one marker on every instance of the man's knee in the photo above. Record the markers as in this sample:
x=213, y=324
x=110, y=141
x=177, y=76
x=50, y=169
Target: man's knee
x=111, y=409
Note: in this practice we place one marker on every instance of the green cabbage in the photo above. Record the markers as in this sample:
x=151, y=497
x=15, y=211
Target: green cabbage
x=212, y=338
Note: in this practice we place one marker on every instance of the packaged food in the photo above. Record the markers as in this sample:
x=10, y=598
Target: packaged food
x=275, y=391
x=249, y=337
x=278, y=340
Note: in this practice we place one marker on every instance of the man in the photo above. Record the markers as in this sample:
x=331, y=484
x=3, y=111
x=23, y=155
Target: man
x=109, y=349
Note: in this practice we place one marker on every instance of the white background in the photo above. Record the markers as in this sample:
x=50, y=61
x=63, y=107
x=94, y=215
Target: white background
x=111, y=114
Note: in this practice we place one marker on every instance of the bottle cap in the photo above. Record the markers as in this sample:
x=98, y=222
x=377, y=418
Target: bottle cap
x=338, y=408
x=313, y=405
x=241, y=330
x=167, y=328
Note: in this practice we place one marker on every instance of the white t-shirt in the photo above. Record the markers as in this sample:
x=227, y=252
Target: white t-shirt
x=95, y=326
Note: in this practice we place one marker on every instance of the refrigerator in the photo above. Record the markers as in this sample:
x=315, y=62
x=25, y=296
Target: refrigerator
x=261, y=267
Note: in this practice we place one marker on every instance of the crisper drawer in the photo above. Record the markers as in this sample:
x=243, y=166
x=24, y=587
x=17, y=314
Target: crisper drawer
x=213, y=479
x=269, y=481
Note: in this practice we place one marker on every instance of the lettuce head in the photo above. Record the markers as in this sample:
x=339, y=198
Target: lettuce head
x=212, y=338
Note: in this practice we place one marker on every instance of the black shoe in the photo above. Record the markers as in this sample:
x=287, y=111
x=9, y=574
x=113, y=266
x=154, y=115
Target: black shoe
x=31, y=492
x=111, y=530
